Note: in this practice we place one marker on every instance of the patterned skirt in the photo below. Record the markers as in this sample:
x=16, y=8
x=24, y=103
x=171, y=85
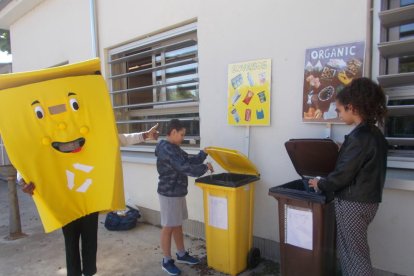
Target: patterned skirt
x=352, y=220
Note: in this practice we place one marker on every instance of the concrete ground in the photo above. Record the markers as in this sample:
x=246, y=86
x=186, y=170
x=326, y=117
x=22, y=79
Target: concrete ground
x=134, y=252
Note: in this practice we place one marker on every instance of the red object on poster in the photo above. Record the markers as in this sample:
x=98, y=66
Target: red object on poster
x=248, y=97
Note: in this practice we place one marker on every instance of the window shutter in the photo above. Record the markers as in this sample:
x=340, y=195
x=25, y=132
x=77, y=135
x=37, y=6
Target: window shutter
x=396, y=74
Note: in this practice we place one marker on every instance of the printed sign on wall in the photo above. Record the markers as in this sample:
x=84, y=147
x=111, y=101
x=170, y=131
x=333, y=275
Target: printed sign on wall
x=327, y=71
x=249, y=93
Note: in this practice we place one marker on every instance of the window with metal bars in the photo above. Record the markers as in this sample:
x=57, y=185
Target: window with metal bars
x=154, y=80
x=396, y=73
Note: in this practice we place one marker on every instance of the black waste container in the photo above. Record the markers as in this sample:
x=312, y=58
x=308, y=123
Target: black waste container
x=307, y=218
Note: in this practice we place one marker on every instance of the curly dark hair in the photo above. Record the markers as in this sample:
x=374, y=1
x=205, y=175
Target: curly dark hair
x=367, y=98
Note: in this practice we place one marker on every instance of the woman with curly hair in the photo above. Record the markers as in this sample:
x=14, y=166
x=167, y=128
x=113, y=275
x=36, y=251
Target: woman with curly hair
x=358, y=179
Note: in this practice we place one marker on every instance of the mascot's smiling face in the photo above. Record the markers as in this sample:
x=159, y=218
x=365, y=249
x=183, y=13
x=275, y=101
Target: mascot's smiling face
x=60, y=122
x=57, y=116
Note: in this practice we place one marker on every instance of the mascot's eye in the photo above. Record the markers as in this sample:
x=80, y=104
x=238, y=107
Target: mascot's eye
x=39, y=112
x=74, y=104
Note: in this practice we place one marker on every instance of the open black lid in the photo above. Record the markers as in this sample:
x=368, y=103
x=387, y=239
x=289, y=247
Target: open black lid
x=312, y=157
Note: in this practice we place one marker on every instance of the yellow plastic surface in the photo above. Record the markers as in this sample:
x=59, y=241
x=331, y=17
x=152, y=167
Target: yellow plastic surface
x=227, y=249
x=88, y=67
x=61, y=106
x=232, y=161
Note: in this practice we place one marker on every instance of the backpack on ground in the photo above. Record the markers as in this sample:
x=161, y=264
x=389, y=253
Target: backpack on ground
x=124, y=220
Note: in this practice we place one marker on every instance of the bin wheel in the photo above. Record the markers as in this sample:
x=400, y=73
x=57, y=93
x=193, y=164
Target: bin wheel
x=253, y=258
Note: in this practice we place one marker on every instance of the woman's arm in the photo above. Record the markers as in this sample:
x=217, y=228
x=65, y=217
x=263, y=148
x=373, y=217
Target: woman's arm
x=138, y=137
x=348, y=165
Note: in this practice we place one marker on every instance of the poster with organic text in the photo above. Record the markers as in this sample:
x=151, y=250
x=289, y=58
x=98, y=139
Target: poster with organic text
x=327, y=71
x=249, y=93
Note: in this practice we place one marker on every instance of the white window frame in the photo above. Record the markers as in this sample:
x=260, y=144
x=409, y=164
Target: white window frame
x=181, y=107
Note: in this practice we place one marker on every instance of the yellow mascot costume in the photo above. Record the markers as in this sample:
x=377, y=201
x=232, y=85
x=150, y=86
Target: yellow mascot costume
x=59, y=130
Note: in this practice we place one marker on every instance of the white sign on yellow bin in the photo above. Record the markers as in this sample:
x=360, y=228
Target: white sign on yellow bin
x=59, y=130
x=249, y=93
x=217, y=212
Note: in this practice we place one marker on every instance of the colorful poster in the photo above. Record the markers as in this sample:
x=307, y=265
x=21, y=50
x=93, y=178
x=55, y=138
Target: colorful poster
x=327, y=71
x=249, y=93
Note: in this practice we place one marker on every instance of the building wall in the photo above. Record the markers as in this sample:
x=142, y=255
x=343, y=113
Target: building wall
x=280, y=30
x=228, y=32
x=5, y=68
x=54, y=32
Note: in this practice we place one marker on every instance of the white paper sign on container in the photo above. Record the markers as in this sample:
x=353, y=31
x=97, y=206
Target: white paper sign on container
x=299, y=227
x=217, y=212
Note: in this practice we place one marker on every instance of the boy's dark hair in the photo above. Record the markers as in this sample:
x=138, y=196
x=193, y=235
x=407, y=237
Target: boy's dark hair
x=174, y=124
x=367, y=98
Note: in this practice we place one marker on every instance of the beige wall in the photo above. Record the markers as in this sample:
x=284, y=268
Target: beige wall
x=228, y=32
x=280, y=30
x=54, y=32
x=137, y=19
x=391, y=233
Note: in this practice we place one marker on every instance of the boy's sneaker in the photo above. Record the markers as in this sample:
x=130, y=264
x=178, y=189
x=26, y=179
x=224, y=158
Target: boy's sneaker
x=170, y=267
x=187, y=259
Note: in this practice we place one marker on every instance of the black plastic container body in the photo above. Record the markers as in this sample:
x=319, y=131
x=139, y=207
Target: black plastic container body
x=297, y=189
x=321, y=260
x=228, y=179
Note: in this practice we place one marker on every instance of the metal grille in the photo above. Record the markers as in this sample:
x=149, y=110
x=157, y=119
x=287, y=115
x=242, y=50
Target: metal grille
x=156, y=79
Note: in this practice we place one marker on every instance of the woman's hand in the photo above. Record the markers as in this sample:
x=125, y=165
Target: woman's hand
x=152, y=133
x=313, y=183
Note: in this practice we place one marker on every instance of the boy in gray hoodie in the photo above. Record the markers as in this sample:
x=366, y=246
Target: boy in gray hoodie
x=174, y=166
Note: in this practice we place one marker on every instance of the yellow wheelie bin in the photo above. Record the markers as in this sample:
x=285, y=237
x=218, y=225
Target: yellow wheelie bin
x=228, y=212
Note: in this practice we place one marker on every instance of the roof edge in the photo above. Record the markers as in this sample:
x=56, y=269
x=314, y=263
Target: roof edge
x=13, y=10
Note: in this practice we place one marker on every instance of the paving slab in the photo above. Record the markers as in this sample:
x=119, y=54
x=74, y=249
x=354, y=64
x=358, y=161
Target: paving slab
x=133, y=252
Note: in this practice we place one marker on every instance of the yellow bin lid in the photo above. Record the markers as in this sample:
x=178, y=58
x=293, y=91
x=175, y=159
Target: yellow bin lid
x=88, y=67
x=232, y=160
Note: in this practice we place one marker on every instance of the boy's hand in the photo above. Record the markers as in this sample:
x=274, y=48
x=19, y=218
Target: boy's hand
x=210, y=167
x=152, y=133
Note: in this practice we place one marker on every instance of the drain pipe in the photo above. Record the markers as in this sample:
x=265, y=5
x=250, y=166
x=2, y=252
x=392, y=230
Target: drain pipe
x=369, y=40
x=94, y=28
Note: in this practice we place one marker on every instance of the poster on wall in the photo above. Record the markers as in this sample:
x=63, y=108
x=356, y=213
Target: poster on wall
x=249, y=93
x=327, y=71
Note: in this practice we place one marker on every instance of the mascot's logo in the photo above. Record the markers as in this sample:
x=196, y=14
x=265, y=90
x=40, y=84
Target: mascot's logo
x=70, y=176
